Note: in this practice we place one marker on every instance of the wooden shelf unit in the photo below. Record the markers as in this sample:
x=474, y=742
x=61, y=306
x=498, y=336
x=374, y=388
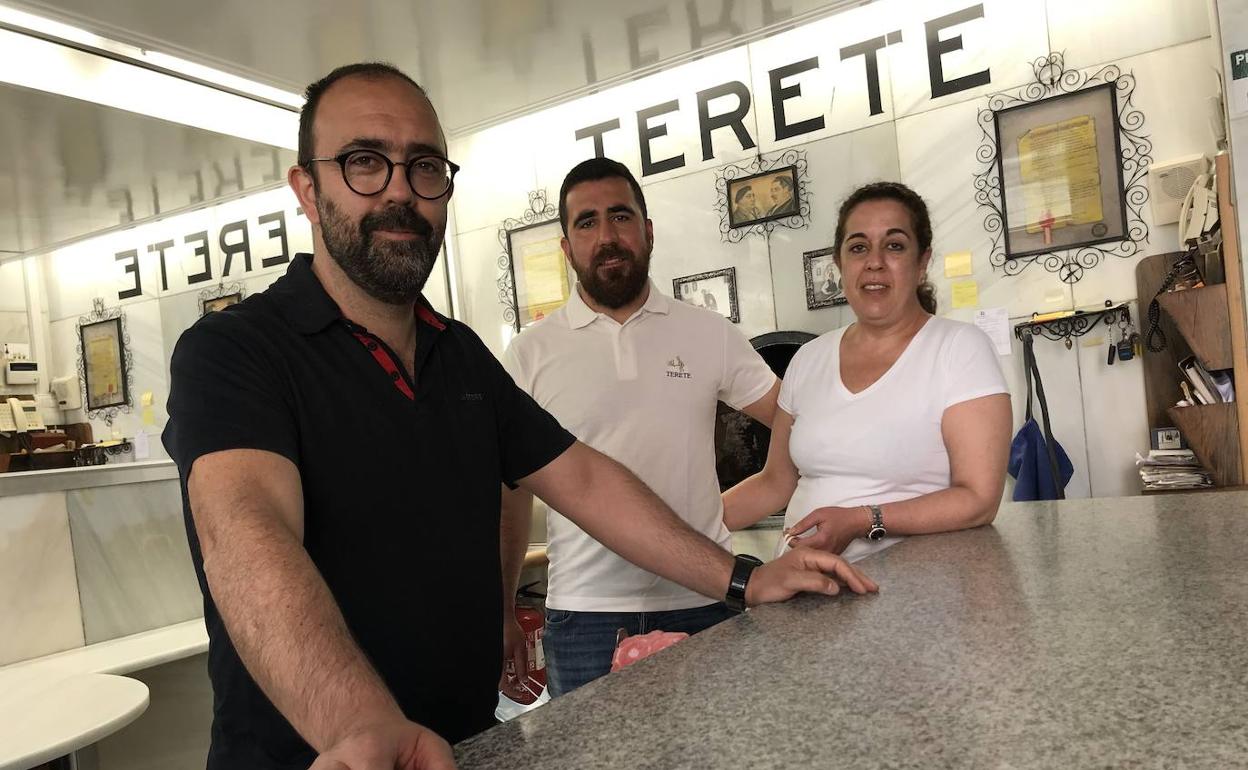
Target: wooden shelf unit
x=1208, y=323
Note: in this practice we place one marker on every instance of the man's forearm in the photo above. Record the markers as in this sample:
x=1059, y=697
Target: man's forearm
x=290, y=634
x=517, y=516
x=616, y=509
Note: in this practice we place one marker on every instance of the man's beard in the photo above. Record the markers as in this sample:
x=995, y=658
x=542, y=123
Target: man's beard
x=615, y=288
x=389, y=271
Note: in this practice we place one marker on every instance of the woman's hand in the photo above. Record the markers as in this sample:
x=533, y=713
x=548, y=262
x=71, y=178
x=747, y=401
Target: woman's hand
x=834, y=528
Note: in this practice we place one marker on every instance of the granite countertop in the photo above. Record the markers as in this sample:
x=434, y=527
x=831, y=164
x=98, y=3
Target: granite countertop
x=1083, y=633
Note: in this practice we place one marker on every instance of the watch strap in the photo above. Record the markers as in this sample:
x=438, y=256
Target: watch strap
x=744, y=566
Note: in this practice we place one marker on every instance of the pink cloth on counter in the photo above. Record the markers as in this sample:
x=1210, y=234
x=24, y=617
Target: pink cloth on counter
x=634, y=648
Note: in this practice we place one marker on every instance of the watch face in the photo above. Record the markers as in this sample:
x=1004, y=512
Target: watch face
x=876, y=533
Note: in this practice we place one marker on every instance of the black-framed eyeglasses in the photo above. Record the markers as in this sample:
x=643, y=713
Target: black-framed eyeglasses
x=367, y=172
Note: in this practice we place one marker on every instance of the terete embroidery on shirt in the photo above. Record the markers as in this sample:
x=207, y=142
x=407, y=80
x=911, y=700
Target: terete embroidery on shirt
x=676, y=368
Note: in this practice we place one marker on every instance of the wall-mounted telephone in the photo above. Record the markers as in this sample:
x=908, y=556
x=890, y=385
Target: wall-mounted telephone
x=19, y=416
x=1199, y=212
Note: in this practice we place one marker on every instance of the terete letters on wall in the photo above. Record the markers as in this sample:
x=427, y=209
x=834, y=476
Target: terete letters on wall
x=1093, y=209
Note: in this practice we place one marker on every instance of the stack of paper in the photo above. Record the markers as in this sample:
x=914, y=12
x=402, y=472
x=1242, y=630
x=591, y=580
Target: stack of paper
x=1172, y=469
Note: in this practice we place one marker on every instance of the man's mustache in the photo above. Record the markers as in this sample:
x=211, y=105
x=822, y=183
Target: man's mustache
x=613, y=251
x=396, y=219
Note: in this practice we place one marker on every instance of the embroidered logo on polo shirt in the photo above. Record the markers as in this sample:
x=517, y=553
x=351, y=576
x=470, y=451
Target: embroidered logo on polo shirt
x=472, y=397
x=676, y=368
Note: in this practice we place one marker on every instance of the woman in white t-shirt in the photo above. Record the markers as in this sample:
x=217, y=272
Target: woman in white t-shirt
x=898, y=424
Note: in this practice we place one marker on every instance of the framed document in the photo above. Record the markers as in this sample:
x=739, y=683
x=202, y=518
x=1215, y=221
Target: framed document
x=541, y=281
x=103, y=358
x=716, y=290
x=1060, y=171
x=823, y=279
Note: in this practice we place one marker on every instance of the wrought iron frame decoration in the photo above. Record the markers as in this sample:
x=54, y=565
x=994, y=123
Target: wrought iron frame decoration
x=798, y=220
x=99, y=314
x=1051, y=79
x=1070, y=327
x=729, y=274
x=220, y=291
x=539, y=212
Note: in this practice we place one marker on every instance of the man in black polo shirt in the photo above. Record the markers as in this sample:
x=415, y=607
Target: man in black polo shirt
x=342, y=449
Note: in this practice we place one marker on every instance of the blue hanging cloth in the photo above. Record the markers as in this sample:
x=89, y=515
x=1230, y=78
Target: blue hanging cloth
x=1038, y=463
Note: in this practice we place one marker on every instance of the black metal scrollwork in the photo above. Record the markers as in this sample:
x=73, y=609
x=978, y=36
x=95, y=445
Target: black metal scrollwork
x=1051, y=78
x=100, y=313
x=800, y=219
x=1070, y=327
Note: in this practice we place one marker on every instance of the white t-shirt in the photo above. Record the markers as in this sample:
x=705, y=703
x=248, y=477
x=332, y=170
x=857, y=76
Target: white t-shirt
x=884, y=444
x=643, y=393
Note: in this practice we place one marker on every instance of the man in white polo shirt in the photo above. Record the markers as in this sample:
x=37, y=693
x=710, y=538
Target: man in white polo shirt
x=636, y=375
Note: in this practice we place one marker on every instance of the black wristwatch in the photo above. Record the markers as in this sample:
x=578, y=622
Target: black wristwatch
x=745, y=567
x=876, y=530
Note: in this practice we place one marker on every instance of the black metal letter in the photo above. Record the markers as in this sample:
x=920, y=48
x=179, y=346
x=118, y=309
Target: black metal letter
x=937, y=48
x=734, y=118
x=230, y=249
x=201, y=250
x=132, y=266
x=868, y=49
x=596, y=131
x=646, y=132
x=279, y=233
x=778, y=96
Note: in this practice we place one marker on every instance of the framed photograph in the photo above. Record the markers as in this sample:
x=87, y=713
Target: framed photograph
x=540, y=278
x=1060, y=171
x=823, y=279
x=763, y=197
x=212, y=305
x=716, y=290
x=104, y=356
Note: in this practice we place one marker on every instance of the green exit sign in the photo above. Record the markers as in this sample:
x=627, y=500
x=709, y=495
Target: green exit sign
x=1239, y=65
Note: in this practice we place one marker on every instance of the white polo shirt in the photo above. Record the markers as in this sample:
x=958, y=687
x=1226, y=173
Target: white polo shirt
x=643, y=393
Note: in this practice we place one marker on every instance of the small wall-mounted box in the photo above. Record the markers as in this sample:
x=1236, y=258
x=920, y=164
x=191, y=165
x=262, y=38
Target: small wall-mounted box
x=22, y=372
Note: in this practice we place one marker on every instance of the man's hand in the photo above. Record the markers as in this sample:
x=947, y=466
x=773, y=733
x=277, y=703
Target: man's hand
x=804, y=569
x=515, y=652
x=835, y=528
x=398, y=745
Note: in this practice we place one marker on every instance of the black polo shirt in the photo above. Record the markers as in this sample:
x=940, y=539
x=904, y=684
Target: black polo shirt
x=401, y=485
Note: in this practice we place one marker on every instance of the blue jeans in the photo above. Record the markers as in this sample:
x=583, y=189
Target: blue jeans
x=579, y=645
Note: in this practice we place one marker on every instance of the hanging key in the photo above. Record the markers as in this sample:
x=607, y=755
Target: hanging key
x=1126, y=349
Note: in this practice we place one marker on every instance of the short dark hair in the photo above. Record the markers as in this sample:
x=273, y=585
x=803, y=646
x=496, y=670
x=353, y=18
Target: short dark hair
x=784, y=181
x=740, y=193
x=371, y=70
x=593, y=170
x=920, y=220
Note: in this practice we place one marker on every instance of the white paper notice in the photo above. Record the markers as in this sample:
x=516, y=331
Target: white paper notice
x=142, y=449
x=995, y=322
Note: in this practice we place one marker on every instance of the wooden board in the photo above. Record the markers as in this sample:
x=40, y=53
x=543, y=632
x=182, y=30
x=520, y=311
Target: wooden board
x=1212, y=432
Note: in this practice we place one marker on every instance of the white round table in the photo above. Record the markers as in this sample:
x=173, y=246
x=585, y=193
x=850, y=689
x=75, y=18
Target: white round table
x=42, y=720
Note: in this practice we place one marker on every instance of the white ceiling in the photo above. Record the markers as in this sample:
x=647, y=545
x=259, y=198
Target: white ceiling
x=480, y=59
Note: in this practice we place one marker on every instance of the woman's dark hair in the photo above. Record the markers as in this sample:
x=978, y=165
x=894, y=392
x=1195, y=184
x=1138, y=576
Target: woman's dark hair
x=920, y=220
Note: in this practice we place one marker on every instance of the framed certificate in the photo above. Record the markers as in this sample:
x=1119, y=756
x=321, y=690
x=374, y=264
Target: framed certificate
x=103, y=359
x=1060, y=172
x=541, y=280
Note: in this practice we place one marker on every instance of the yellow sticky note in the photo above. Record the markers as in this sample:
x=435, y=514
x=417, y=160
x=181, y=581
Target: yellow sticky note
x=957, y=264
x=146, y=398
x=965, y=294
x=149, y=415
